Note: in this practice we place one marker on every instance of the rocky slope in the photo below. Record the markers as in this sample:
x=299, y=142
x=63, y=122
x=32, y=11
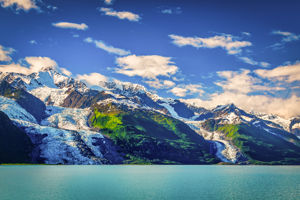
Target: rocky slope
x=243, y=137
x=120, y=122
x=15, y=145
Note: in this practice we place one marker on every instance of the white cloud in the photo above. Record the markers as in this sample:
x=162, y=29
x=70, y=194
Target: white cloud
x=5, y=53
x=184, y=90
x=170, y=10
x=92, y=79
x=288, y=73
x=250, y=61
x=65, y=71
x=259, y=103
x=246, y=33
x=70, y=25
x=52, y=8
x=100, y=44
x=33, y=42
x=149, y=67
x=180, y=92
x=167, y=11
x=20, y=4
x=242, y=82
x=249, y=91
x=286, y=37
x=108, y=2
x=227, y=42
x=35, y=64
x=264, y=64
x=120, y=14
x=160, y=84
x=14, y=67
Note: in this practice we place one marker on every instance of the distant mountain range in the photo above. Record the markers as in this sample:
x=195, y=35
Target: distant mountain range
x=49, y=117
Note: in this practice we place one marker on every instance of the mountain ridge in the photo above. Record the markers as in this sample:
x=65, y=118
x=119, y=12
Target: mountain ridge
x=69, y=107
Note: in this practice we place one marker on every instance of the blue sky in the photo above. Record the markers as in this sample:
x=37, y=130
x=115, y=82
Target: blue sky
x=207, y=52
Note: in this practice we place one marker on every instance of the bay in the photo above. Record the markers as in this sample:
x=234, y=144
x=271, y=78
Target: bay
x=148, y=182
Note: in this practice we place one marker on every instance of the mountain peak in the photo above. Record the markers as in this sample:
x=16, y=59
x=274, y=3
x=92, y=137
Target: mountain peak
x=227, y=107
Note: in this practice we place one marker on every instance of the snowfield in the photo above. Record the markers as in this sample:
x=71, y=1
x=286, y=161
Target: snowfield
x=63, y=138
x=57, y=96
x=67, y=118
x=14, y=111
x=226, y=151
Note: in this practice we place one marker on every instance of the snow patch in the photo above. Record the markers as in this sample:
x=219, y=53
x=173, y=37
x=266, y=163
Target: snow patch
x=14, y=111
x=60, y=146
x=171, y=110
x=67, y=118
x=56, y=95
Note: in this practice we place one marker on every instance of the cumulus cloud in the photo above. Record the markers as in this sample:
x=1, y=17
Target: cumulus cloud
x=149, y=67
x=110, y=49
x=250, y=61
x=120, y=14
x=70, y=25
x=160, y=84
x=184, y=90
x=65, y=71
x=286, y=37
x=242, y=82
x=5, y=53
x=231, y=44
x=92, y=79
x=35, y=65
x=250, y=91
x=288, y=73
x=14, y=67
x=259, y=103
x=19, y=4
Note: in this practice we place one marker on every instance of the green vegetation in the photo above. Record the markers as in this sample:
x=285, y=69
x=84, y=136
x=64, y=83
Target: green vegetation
x=259, y=146
x=148, y=137
x=232, y=131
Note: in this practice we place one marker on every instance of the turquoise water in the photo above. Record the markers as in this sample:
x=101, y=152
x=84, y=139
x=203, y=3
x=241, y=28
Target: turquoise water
x=149, y=182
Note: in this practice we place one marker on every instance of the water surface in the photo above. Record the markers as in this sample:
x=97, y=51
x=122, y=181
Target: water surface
x=149, y=182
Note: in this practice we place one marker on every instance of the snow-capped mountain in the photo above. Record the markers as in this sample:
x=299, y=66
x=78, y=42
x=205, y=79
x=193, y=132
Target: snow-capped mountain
x=223, y=115
x=69, y=122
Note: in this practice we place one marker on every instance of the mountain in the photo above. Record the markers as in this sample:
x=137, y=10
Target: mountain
x=147, y=136
x=117, y=122
x=15, y=145
x=247, y=138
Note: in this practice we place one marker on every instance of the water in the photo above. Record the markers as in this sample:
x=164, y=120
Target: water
x=149, y=182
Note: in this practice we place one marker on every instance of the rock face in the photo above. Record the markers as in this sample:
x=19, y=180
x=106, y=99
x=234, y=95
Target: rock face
x=29, y=102
x=76, y=99
x=15, y=145
x=120, y=122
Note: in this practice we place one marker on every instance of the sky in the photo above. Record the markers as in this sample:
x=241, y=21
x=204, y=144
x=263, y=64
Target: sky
x=206, y=53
